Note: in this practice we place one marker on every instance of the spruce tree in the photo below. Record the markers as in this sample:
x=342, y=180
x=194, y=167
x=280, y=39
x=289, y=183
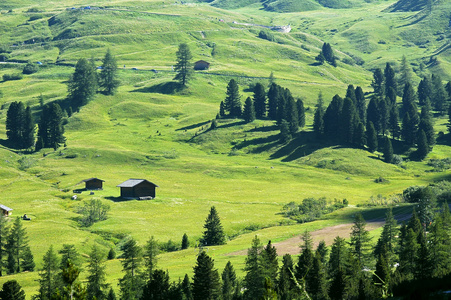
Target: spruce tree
x=349, y=121
x=332, y=118
x=360, y=136
x=248, y=111
x=158, y=286
x=286, y=286
x=222, y=109
x=183, y=66
x=49, y=275
x=27, y=264
x=285, y=134
x=254, y=279
x=185, y=241
x=384, y=116
x=382, y=275
x=390, y=80
x=186, y=288
x=318, y=118
x=408, y=254
x=360, y=103
x=292, y=115
x=424, y=90
x=440, y=247
x=51, y=130
x=406, y=72
x=424, y=267
x=273, y=100
x=229, y=282
x=423, y=147
x=28, y=133
x=393, y=122
x=371, y=137
x=4, y=232
x=378, y=82
x=301, y=113
x=360, y=239
x=214, y=233
x=426, y=125
x=206, y=282
x=388, y=151
x=259, y=100
x=408, y=100
x=108, y=74
x=391, y=96
x=15, y=118
x=328, y=54
x=11, y=290
x=17, y=242
x=388, y=237
x=131, y=283
x=439, y=95
x=318, y=279
x=69, y=253
x=269, y=263
x=373, y=114
x=96, y=286
x=232, y=103
x=151, y=250
x=82, y=85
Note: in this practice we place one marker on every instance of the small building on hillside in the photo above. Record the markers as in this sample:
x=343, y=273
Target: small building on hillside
x=137, y=189
x=93, y=183
x=201, y=65
x=6, y=211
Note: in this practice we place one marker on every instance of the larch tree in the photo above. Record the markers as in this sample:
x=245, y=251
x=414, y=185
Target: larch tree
x=206, y=281
x=360, y=104
x=273, y=99
x=388, y=237
x=4, y=232
x=183, y=66
x=318, y=118
x=406, y=72
x=286, y=286
x=69, y=253
x=269, y=263
x=214, y=233
x=131, y=284
x=390, y=79
x=424, y=90
x=388, y=151
x=108, y=74
x=301, y=113
x=151, y=251
x=378, y=82
x=17, y=242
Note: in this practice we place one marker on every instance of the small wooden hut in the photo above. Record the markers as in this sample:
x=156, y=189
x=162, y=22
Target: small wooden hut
x=201, y=65
x=6, y=211
x=93, y=183
x=137, y=189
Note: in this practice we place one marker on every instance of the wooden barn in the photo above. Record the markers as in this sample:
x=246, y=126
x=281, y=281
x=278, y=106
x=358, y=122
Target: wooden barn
x=201, y=65
x=93, y=183
x=137, y=189
x=6, y=211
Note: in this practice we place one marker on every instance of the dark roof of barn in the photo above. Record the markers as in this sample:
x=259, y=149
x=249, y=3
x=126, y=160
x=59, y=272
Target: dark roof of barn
x=90, y=179
x=5, y=207
x=202, y=61
x=134, y=182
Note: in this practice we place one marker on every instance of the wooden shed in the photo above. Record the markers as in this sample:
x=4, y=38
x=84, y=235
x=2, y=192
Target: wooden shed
x=6, y=211
x=201, y=65
x=137, y=189
x=93, y=183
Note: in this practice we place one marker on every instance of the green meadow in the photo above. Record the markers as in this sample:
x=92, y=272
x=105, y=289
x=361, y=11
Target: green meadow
x=153, y=129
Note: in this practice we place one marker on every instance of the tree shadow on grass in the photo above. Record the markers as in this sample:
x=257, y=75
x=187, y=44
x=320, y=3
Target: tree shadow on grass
x=117, y=199
x=264, y=128
x=194, y=125
x=168, y=88
x=303, y=144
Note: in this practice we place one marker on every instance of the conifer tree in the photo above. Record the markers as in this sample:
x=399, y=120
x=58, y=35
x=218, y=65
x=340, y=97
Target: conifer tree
x=229, y=282
x=318, y=279
x=373, y=115
x=17, y=242
x=206, y=282
x=183, y=66
x=131, y=283
x=318, y=118
x=96, y=286
x=282, y=105
x=69, y=253
x=273, y=99
x=424, y=90
x=378, y=82
x=388, y=151
x=406, y=72
x=186, y=288
x=439, y=95
x=301, y=112
x=384, y=116
x=185, y=241
x=388, y=237
x=349, y=121
x=337, y=257
x=269, y=263
x=11, y=290
x=371, y=137
x=360, y=103
x=423, y=147
x=232, y=103
x=332, y=118
x=351, y=94
x=254, y=279
x=214, y=233
x=360, y=239
x=393, y=122
x=51, y=130
x=328, y=54
x=322, y=251
x=426, y=124
x=82, y=85
x=28, y=133
x=407, y=254
x=408, y=100
x=391, y=96
x=415, y=224
x=222, y=109
x=27, y=263
x=390, y=80
x=383, y=275
x=4, y=232
x=108, y=74
x=286, y=286
x=360, y=136
x=292, y=115
x=285, y=134
x=248, y=111
x=440, y=247
x=259, y=100
x=49, y=276
x=158, y=286
x=151, y=251
x=20, y=127
x=424, y=265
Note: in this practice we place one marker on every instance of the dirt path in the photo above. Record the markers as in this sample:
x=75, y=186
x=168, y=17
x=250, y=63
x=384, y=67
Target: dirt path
x=328, y=234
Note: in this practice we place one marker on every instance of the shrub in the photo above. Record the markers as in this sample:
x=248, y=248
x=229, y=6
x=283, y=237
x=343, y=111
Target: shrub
x=111, y=254
x=266, y=35
x=311, y=209
x=30, y=68
x=93, y=211
x=169, y=246
x=16, y=76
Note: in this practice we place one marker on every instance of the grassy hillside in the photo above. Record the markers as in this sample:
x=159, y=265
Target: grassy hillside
x=152, y=129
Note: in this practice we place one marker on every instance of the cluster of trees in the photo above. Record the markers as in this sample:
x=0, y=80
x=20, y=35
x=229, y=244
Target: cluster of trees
x=50, y=127
x=20, y=127
x=311, y=209
x=326, y=54
x=15, y=254
x=277, y=104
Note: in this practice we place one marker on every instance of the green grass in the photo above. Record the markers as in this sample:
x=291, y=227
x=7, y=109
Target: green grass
x=152, y=129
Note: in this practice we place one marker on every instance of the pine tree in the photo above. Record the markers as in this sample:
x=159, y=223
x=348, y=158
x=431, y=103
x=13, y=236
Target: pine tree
x=158, y=286
x=108, y=74
x=248, y=111
x=328, y=54
x=423, y=269
x=440, y=247
x=388, y=237
x=4, y=232
x=349, y=121
x=29, y=128
x=384, y=116
x=186, y=288
x=388, y=151
x=48, y=281
x=305, y=263
x=15, y=118
x=292, y=115
x=382, y=274
x=424, y=90
x=51, y=130
x=259, y=100
x=214, y=233
x=371, y=137
x=82, y=85
x=332, y=118
x=285, y=134
x=206, y=283
x=360, y=239
x=27, y=264
x=11, y=290
x=373, y=114
x=229, y=282
x=378, y=82
x=185, y=241
x=17, y=242
x=322, y=251
x=426, y=124
x=360, y=104
x=254, y=280
x=232, y=103
x=423, y=147
x=69, y=253
x=273, y=100
x=337, y=256
x=390, y=80
x=408, y=100
x=222, y=109
x=183, y=66
x=439, y=95
x=96, y=286
x=286, y=286
x=393, y=122
x=151, y=251
x=350, y=93
x=407, y=254
x=318, y=118
x=360, y=136
x=131, y=283
x=391, y=96
x=318, y=282
x=269, y=263
x=301, y=112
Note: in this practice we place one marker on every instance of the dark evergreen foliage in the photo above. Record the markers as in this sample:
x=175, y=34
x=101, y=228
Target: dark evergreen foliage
x=378, y=82
x=388, y=151
x=97, y=286
x=393, y=122
x=206, y=282
x=249, y=111
x=131, y=284
x=17, y=243
x=423, y=147
x=292, y=114
x=391, y=96
x=49, y=278
x=371, y=137
x=11, y=290
x=185, y=242
x=69, y=253
x=232, y=103
x=273, y=100
x=229, y=282
x=332, y=118
x=301, y=112
x=259, y=100
x=390, y=79
x=269, y=263
x=424, y=90
x=426, y=124
x=318, y=118
x=214, y=233
x=360, y=239
x=384, y=116
x=20, y=127
x=285, y=134
x=360, y=104
x=439, y=94
x=254, y=280
x=286, y=286
x=349, y=121
x=51, y=130
x=151, y=250
x=158, y=287
x=328, y=54
x=373, y=114
x=108, y=74
x=82, y=85
x=183, y=66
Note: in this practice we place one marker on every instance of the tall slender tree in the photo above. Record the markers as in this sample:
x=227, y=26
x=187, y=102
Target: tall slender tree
x=388, y=151
x=183, y=66
x=301, y=113
x=254, y=280
x=259, y=100
x=82, y=85
x=286, y=286
x=51, y=130
x=49, y=277
x=318, y=118
x=390, y=80
x=269, y=263
x=232, y=101
x=131, y=284
x=360, y=239
x=96, y=287
x=151, y=250
x=11, y=290
x=360, y=104
x=273, y=99
x=206, y=282
x=424, y=90
x=214, y=233
x=108, y=74
x=249, y=111
x=378, y=82
x=4, y=232
x=371, y=137
x=17, y=242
